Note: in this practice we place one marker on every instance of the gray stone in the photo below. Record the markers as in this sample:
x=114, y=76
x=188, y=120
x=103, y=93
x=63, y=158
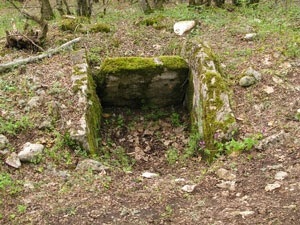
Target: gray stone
x=230, y=185
x=91, y=165
x=135, y=81
x=251, y=72
x=189, y=188
x=247, y=81
x=30, y=152
x=84, y=129
x=33, y=102
x=225, y=174
x=264, y=143
x=13, y=160
x=208, y=94
x=3, y=141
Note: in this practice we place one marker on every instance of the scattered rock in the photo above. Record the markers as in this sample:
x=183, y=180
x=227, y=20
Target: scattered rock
x=264, y=143
x=225, y=174
x=250, y=36
x=243, y=213
x=46, y=124
x=28, y=185
x=247, y=81
x=271, y=187
x=230, y=185
x=33, y=102
x=189, y=188
x=30, y=152
x=251, y=72
x=281, y=175
x=149, y=175
x=13, y=160
x=91, y=165
x=269, y=90
x=183, y=26
x=290, y=206
x=3, y=141
x=178, y=180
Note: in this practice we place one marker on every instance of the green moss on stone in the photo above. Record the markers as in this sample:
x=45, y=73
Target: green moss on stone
x=174, y=62
x=93, y=116
x=99, y=27
x=73, y=24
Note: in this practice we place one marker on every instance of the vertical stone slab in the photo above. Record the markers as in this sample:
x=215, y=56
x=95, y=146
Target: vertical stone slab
x=208, y=95
x=86, y=129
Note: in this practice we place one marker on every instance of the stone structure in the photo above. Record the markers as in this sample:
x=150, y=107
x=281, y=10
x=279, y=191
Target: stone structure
x=195, y=79
x=208, y=96
x=136, y=81
x=86, y=130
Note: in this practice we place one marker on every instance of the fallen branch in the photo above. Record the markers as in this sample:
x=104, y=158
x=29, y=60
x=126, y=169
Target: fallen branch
x=7, y=66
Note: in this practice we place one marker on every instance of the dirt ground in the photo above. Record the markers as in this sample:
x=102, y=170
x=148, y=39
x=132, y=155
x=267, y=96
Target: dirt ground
x=51, y=191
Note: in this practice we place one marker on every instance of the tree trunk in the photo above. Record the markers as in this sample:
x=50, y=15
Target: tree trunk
x=145, y=6
x=84, y=8
x=46, y=10
x=60, y=7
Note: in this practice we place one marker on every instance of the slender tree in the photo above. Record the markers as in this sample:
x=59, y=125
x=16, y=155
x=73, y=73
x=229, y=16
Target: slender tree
x=46, y=10
x=84, y=8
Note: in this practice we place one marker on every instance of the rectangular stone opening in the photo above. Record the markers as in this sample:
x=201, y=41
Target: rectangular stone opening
x=137, y=82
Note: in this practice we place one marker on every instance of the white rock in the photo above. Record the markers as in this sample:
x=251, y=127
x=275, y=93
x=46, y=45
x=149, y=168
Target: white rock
x=246, y=213
x=30, y=152
x=225, y=174
x=90, y=164
x=271, y=187
x=13, y=160
x=183, y=26
x=269, y=90
x=189, y=188
x=149, y=175
x=3, y=141
x=178, y=180
x=230, y=185
x=250, y=36
x=281, y=175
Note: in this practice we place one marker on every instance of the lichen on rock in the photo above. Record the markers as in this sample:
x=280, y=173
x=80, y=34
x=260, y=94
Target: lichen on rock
x=208, y=96
x=86, y=130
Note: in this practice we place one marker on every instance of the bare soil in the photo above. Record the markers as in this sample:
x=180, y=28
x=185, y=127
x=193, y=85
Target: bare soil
x=53, y=192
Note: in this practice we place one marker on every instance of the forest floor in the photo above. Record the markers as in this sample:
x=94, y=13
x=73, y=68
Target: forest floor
x=262, y=186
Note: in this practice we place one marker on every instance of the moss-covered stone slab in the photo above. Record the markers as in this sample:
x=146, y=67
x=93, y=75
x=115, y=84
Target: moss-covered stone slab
x=137, y=81
x=85, y=129
x=208, y=96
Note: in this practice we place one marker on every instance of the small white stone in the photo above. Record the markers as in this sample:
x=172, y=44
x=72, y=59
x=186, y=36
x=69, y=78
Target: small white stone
x=250, y=36
x=149, y=175
x=13, y=160
x=189, y=188
x=281, y=175
x=30, y=151
x=183, y=26
x=225, y=174
x=271, y=187
x=269, y=90
x=179, y=180
x=230, y=185
x=246, y=213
